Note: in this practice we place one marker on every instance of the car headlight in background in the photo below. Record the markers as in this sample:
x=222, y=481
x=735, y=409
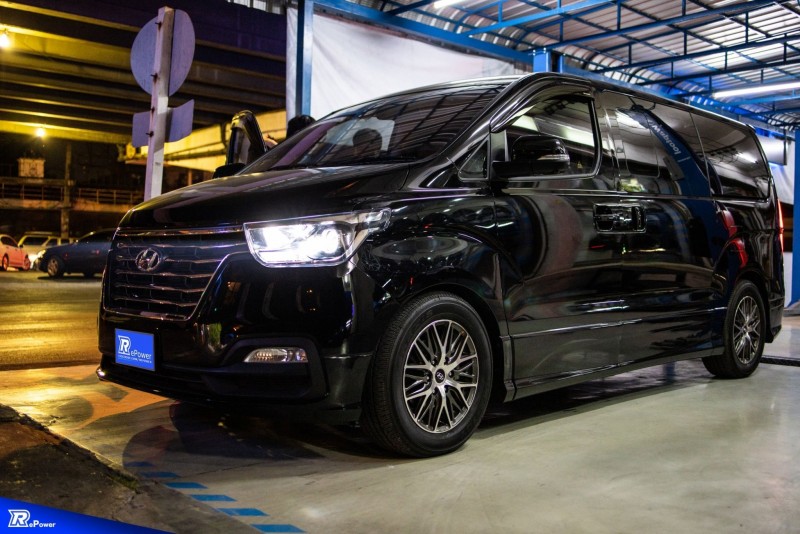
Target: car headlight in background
x=312, y=241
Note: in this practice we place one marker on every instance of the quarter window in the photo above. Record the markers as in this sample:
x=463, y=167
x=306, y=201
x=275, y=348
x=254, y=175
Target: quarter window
x=735, y=158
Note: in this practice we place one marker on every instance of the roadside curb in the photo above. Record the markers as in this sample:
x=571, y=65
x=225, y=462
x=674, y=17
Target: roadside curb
x=88, y=483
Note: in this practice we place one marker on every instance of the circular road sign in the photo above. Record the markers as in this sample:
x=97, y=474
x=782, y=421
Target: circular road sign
x=143, y=53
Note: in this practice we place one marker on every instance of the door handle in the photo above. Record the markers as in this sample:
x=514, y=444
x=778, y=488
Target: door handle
x=619, y=218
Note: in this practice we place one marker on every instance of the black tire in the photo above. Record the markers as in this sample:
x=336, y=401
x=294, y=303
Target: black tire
x=744, y=334
x=448, y=391
x=4, y=263
x=55, y=267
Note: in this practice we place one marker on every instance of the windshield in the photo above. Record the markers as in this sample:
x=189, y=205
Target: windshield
x=32, y=241
x=403, y=128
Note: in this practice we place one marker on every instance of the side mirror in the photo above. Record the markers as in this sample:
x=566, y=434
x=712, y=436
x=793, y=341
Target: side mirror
x=228, y=170
x=245, y=146
x=534, y=155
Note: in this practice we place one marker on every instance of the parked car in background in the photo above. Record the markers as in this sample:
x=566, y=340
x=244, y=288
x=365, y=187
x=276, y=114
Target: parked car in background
x=87, y=255
x=12, y=254
x=36, y=243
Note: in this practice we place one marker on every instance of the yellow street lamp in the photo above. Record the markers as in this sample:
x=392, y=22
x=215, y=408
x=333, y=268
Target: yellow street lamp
x=5, y=39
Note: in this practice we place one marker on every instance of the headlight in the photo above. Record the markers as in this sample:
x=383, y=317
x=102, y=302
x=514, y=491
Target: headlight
x=312, y=241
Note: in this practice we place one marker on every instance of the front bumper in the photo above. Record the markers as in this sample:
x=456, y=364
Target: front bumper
x=329, y=390
x=246, y=306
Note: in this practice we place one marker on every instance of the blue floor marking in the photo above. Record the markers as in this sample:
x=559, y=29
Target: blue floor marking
x=243, y=511
x=209, y=498
x=185, y=485
x=277, y=528
x=233, y=512
x=139, y=464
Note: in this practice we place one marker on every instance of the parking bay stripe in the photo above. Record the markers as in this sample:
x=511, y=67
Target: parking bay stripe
x=212, y=498
x=242, y=512
x=185, y=485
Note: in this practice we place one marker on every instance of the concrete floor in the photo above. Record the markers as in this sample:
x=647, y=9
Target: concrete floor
x=667, y=449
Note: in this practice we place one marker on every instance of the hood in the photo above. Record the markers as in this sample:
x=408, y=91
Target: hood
x=266, y=196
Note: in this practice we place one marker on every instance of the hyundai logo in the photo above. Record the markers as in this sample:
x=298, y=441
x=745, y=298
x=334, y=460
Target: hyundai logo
x=148, y=260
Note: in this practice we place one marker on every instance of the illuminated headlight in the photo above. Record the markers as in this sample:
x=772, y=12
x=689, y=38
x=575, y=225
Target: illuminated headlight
x=312, y=241
x=277, y=355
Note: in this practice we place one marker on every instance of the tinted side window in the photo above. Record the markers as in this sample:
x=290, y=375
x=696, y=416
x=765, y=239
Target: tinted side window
x=657, y=146
x=682, y=150
x=735, y=157
x=554, y=136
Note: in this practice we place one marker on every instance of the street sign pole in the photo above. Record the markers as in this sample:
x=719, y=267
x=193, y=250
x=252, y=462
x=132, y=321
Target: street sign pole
x=159, y=103
x=161, y=57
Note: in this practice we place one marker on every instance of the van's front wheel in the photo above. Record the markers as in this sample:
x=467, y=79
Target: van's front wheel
x=744, y=333
x=430, y=381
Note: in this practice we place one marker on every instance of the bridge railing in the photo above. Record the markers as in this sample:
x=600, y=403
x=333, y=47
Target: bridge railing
x=51, y=192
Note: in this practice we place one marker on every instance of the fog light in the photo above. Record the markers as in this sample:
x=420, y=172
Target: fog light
x=277, y=355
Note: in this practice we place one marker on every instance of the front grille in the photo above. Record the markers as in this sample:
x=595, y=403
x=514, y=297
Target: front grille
x=172, y=290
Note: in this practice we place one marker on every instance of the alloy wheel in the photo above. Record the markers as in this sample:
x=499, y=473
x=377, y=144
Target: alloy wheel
x=747, y=330
x=440, y=376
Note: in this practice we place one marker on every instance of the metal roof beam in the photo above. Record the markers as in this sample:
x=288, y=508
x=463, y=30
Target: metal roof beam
x=373, y=16
x=707, y=74
x=697, y=55
x=455, y=23
x=410, y=7
x=557, y=12
x=688, y=32
x=732, y=9
x=770, y=112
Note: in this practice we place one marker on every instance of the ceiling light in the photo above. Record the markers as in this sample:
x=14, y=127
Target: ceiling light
x=758, y=89
x=41, y=132
x=5, y=39
x=444, y=3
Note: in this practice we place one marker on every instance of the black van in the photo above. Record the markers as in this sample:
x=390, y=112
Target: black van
x=398, y=262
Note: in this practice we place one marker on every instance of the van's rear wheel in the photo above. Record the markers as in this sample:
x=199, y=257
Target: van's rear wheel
x=744, y=333
x=430, y=381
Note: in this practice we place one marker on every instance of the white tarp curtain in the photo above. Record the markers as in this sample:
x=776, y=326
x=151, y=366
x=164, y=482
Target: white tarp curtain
x=784, y=182
x=780, y=154
x=352, y=63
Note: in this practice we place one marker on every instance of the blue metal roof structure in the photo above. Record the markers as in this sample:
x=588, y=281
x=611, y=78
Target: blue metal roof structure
x=686, y=49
